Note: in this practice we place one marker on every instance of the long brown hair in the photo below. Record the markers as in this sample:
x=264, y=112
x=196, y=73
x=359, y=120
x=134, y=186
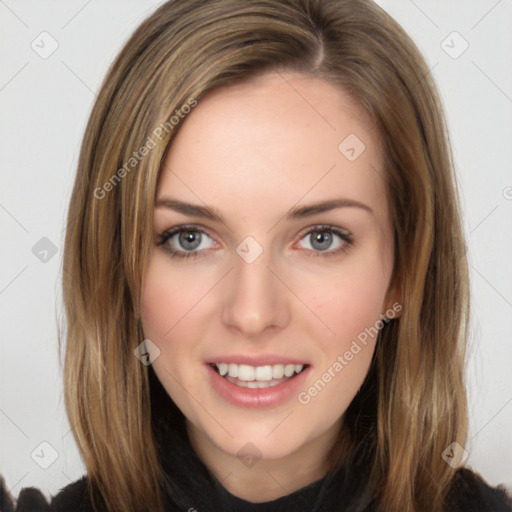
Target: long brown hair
x=182, y=51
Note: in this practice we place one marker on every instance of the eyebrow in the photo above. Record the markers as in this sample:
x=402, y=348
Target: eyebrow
x=208, y=212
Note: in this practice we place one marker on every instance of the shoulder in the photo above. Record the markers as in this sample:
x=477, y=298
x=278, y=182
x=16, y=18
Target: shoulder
x=73, y=498
x=30, y=499
x=470, y=492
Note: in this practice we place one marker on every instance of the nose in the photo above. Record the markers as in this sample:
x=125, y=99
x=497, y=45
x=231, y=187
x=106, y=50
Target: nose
x=256, y=299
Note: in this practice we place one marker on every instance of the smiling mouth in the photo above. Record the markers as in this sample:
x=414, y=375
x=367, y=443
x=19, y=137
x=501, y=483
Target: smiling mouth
x=260, y=376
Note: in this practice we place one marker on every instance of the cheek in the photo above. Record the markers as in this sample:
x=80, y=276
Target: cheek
x=168, y=297
x=349, y=303
x=168, y=320
x=348, y=300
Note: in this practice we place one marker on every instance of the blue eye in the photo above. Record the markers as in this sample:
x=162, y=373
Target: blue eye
x=321, y=238
x=190, y=240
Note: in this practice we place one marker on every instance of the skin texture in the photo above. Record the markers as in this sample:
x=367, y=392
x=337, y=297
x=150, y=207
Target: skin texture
x=252, y=151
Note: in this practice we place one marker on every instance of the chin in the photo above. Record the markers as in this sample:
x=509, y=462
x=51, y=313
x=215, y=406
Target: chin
x=263, y=439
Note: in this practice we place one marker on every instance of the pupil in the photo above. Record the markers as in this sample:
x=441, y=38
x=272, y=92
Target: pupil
x=323, y=238
x=189, y=239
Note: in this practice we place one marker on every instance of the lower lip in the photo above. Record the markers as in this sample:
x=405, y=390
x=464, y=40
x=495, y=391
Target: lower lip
x=257, y=397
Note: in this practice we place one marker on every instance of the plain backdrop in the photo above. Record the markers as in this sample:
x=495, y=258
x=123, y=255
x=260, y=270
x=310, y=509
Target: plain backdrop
x=44, y=104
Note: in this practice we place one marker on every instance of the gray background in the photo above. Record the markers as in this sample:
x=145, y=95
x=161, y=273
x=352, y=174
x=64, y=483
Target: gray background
x=44, y=104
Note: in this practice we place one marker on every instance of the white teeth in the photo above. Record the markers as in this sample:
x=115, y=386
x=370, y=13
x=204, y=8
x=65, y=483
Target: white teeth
x=289, y=369
x=255, y=383
x=246, y=372
x=233, y=370
x=263, y=374
x=278, y=371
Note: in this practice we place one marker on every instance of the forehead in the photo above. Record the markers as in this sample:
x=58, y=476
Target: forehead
x=272, y=142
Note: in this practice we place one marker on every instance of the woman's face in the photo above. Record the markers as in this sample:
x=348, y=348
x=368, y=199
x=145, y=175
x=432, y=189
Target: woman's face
x=266, y=283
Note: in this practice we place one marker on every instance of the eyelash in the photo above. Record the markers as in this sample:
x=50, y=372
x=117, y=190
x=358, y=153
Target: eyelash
x=169, y=233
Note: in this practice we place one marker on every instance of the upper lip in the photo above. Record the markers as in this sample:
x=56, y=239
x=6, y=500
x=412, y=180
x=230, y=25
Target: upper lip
x=257, y=360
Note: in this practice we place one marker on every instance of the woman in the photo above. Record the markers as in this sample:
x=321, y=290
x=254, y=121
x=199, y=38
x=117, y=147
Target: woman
x=264, y=273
